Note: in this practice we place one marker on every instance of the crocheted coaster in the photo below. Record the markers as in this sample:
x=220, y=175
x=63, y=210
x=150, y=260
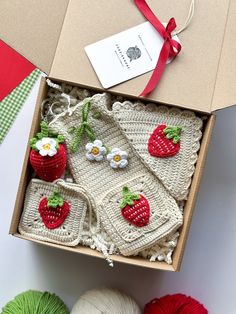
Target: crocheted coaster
x=98, y=173
x=61, y=228
x=167, y=140
x=164, y=217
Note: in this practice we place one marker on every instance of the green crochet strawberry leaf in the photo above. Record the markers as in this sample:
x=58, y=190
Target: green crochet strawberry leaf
x=128, y=197
x=56, y=200
x=44, y=130
x=173, y=133
x=45, y=133
x=97, y=115
x=60, y=138
x=33, y=142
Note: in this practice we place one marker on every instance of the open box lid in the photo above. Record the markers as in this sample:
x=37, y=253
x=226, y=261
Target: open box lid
x=53, y=36
x=33, y=28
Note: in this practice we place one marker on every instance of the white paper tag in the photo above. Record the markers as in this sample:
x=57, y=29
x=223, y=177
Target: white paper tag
x=126, y=55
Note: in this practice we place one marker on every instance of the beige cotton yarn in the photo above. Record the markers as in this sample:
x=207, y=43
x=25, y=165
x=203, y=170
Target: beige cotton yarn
x=104, y=184
x=105, y=301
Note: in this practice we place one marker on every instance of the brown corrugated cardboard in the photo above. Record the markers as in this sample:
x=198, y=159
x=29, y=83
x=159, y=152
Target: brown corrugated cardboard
x=201, y=78
x=188, y=209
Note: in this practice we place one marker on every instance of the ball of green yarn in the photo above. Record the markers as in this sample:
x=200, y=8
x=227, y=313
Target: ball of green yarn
x=35, y=302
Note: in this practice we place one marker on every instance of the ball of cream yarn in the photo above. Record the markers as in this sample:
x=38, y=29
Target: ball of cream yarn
x=105, y=301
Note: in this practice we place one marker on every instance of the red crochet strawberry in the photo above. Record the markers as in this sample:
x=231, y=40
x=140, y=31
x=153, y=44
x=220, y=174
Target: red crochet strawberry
x=135, y=208
x=53, y=210
x=164, y=141
x=48, y=157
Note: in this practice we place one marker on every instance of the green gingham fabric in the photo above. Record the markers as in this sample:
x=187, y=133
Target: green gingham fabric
x=11, y=104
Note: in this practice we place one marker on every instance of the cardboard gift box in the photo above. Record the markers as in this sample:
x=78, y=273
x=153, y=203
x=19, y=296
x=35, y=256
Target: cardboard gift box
x=53, y=34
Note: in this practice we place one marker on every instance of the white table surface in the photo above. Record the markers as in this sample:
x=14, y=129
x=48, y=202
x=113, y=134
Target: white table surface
x=208, y=271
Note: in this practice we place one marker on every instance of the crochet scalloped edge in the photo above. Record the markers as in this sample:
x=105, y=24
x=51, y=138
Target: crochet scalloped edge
x=150, y=107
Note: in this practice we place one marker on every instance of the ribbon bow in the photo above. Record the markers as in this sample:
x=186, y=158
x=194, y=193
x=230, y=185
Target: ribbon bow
x=170, y=49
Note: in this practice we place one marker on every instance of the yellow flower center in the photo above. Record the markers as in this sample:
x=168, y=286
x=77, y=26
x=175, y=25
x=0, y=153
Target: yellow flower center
x=46, y=146
x=95, y=151
x=117, y=158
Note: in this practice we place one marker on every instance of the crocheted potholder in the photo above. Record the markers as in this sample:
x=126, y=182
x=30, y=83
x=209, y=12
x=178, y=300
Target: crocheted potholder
x=127, y=230
x=41, y=222
x=167, y=140
x=99, y=173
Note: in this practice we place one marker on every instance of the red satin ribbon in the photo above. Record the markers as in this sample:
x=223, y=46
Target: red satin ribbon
x=170, y=49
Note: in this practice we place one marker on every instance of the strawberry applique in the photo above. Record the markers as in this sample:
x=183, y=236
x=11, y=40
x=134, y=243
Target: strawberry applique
x=53, y=210
x=164, y=141
x=135, y=208
x=48, y=156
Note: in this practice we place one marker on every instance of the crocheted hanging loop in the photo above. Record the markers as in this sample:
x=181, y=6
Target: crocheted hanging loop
x=84, y=129
x=53, y=210
x=165, y=141
x=135, y=208
x=48, y=156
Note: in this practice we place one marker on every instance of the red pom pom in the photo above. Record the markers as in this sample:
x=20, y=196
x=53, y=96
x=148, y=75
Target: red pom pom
x=174, y=304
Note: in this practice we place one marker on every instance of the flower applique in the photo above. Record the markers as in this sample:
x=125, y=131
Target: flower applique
x=95, y=148
x=47, y=146
x=117, y=158
x=165, y=141
x=95, y=151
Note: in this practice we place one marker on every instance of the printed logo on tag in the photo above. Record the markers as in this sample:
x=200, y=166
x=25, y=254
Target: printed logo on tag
x=126, y=55
x=133, y=53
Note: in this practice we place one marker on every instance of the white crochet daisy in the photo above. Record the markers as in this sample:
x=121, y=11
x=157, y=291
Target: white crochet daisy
x=47, y=146
x=117, y=158
x=95, y=151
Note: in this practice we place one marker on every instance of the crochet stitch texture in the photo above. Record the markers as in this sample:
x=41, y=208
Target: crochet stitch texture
x=31, y=224
x=104, y=185
x=138, y=122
